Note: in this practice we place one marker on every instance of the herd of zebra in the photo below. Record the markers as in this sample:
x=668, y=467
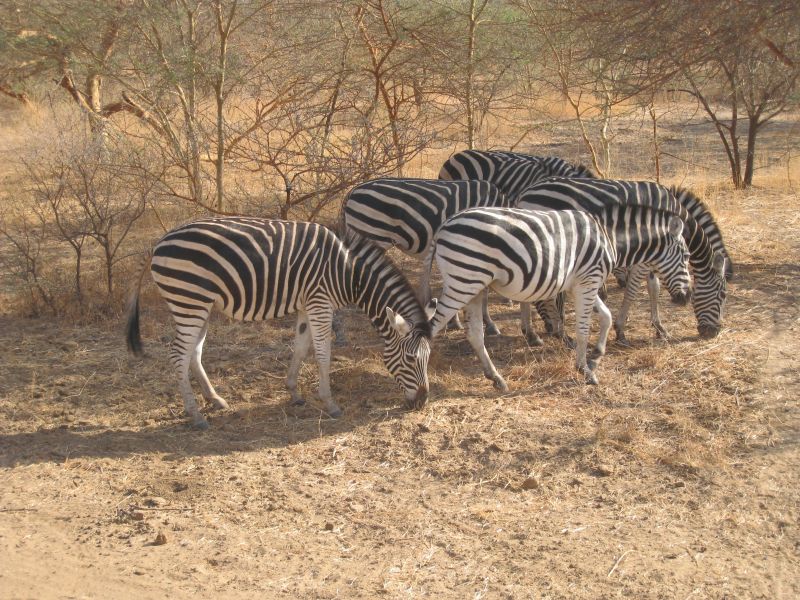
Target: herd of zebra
x=529, y=228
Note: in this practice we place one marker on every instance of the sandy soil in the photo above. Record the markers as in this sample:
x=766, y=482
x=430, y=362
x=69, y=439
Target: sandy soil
x=676, y=478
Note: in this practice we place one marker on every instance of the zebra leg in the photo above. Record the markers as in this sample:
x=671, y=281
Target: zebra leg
x=583, y=316
x=338, y=330
x=605, y=325
x=209, y=393
x=302, y=343
x=319, y=320
x=531, y=336
x=181, y=355
x=634, y=282
x=454, y=323
x=552, y=313
x=491, y=328
x=621, y=275
x=474, y=315
x=653, y=290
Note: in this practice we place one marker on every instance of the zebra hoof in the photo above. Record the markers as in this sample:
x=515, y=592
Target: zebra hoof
x=454, y=326
x=200, y=425
x=298, y=402
x=533, y=339
x=218, y=403
x=591, y=379
x=492, y=329
x=500, y=385
x=339, y=342
x=334, y=412
x=591, y=364
x=568, y=342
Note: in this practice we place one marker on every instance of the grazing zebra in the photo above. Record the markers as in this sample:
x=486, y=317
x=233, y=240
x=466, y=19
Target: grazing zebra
x=594, y=195
x=512, y=172
x=700, y=212
x=536, y=255
x=256, y=269
x=407, y=213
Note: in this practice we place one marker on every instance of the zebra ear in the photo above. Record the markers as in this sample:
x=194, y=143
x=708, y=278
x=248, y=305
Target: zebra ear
x=718, y=262
x=430, y=310
x=675, y=226
x=400, y=325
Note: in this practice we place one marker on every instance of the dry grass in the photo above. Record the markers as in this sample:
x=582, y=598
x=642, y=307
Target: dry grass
x=675, y=477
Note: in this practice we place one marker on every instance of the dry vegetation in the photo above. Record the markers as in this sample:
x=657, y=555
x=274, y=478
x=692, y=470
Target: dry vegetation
x=675, y=478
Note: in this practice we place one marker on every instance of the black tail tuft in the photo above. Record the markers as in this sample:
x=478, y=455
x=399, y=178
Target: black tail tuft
x=132, y=335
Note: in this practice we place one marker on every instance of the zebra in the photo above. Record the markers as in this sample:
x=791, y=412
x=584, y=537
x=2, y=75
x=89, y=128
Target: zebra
x=406, y=213
x=595, y=195
x=700, y=212
x=512, y=172
x=254, y=269
x=536, y=255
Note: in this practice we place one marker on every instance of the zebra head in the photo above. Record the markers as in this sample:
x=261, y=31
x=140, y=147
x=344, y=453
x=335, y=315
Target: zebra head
x=405, y=354
x=673, y=264
x=709, y=300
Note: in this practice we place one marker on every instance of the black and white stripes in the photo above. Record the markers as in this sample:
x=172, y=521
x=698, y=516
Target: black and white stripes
x=512, y=172
x=255, y=269
x=594, y=195
x=536, y=255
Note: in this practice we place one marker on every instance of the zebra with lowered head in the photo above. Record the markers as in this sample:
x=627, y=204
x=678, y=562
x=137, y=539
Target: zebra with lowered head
x=536, y=255
x=631, y=280
x=596, y=195
x=407, y=213
x=255, y=269
x=512, y=172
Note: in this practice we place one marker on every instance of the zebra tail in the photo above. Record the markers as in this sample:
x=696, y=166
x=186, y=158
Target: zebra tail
x=133, y=336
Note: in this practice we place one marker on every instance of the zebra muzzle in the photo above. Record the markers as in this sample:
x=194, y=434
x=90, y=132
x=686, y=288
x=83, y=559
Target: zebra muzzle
x=419, y=399
x=681, y=298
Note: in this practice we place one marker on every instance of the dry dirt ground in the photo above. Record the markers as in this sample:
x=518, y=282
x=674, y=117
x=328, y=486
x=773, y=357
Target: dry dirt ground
x=677, y=477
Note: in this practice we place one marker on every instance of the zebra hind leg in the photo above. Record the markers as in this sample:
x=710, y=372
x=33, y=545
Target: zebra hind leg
x=302, y=343
x=182, y=354
x=491, y=328
x=605, y=325
x=209, y=393
x=474, y=316
x=583, y=316
x=530, y=334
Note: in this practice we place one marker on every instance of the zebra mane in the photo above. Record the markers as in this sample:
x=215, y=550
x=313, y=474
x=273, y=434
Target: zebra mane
x=367, y=253
x=582, y=170
x=701, y=213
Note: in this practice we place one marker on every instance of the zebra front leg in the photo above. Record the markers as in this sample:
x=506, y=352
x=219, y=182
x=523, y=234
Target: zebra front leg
x=302, y=342
x=531, y=336
x=320, y=325
x=474, y=315
x=209, y=393
x=339, y=330
x=653, y=290
x=181, y=355
x=583, y=315
x=604, y=316
x=634, y=281
x=491, y=328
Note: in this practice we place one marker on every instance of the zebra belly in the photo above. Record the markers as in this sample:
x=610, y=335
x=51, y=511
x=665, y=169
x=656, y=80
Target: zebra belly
x=535, y=291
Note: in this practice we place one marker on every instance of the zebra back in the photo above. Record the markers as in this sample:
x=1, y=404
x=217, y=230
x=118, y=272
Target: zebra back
x=512, y=172
x=406, y=213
